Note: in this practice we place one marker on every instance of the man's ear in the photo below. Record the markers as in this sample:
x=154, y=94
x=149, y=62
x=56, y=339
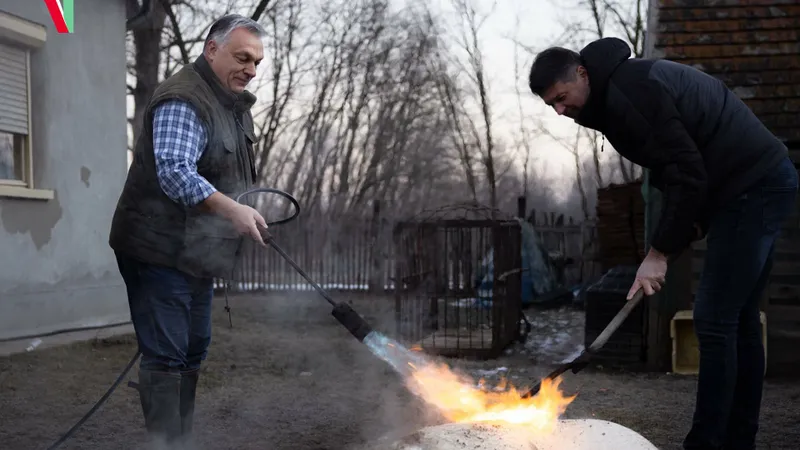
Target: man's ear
x=210, y=50
x=582, y=73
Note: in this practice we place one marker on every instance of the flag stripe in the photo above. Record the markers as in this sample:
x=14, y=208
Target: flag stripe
x=69, y=14
x=57, y=15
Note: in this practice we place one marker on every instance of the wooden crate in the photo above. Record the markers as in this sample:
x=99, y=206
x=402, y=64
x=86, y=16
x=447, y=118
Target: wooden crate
x=685, y=349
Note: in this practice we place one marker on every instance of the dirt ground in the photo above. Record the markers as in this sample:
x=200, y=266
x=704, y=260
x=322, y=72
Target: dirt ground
x=287, y=376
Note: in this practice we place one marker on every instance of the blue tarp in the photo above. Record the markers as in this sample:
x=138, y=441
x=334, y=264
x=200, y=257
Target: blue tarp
x=538, y=276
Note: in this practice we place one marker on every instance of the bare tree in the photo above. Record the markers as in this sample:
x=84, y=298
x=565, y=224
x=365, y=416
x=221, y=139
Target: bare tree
x=146, y=53
x=574, y=148
x=285, y=57
x=524, y=131
x=458, y=122
x=471, y=45
x=625, y=19
x=358, y=103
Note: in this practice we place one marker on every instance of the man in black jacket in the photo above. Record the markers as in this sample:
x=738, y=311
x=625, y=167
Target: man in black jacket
x=723, y=176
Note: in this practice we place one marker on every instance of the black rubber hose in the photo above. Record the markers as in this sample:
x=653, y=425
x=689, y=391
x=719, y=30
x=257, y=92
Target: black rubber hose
x=97, y=405
x=283, y=194
x=130, y=365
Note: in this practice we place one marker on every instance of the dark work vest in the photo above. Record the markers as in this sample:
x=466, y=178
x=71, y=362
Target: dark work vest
x=151, y=227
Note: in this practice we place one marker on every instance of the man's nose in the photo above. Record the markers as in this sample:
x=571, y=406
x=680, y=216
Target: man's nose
x=560, y=108
x=250, y=70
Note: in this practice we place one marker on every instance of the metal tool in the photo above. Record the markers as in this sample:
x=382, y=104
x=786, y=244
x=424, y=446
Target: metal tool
x=579, y=363
x=343, y=312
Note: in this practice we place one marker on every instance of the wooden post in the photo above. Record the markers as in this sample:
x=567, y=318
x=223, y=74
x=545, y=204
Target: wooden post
x=521, y=206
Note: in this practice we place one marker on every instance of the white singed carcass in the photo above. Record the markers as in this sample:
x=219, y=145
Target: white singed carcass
x=575, y=434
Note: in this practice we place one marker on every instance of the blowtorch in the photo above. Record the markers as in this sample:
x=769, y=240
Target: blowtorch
x=343, y=312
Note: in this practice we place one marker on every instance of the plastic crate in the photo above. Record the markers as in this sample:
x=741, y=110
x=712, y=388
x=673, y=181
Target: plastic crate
x=627, y=346
x=685, y=348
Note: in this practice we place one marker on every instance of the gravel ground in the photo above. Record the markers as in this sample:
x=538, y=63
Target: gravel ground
x=287, y=376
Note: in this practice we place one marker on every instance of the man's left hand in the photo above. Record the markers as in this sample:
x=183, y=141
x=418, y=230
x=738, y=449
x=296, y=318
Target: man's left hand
x=651, y=274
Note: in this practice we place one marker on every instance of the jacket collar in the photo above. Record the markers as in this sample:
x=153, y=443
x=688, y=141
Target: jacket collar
x=600, y=58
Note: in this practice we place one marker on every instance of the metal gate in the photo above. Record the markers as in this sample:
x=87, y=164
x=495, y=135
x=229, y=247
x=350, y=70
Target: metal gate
x=458, y=285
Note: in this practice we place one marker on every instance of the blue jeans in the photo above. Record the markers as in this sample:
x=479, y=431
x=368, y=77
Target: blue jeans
x=171, y=314
x=741, y=239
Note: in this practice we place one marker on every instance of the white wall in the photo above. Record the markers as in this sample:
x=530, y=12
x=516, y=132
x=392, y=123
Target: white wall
x=56, y=268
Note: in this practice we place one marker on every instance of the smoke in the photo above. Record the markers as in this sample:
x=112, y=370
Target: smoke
x=399, y=412
x=395, y=354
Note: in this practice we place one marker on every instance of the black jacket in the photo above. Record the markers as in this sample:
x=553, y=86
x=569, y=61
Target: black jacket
x=703, y=145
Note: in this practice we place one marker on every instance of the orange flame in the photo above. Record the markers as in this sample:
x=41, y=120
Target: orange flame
x=460, y=400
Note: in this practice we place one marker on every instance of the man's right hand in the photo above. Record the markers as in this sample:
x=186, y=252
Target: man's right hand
x=245, y=219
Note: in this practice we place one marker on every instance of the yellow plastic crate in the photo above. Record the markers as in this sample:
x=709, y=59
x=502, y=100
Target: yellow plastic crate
x=685, y=349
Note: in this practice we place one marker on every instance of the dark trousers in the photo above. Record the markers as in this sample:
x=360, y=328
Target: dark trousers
x=741, y=240
x=171, y=314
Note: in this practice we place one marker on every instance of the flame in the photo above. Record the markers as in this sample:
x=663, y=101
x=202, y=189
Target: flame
x=459, y=399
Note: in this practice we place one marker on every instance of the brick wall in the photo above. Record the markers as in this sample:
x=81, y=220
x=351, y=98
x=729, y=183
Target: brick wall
x=752, y=45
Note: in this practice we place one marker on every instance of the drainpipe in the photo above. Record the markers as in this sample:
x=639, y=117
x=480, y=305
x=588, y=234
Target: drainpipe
x=140, y=17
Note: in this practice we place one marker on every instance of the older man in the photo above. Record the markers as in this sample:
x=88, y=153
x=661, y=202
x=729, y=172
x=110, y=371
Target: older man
x=176, y=226
x=723, y=174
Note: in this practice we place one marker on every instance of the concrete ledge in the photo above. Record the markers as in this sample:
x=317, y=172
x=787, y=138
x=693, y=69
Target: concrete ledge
x=22, y=31
x=56, y=340
x=10, y=191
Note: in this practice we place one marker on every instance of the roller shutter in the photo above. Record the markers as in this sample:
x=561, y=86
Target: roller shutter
x=13, y=89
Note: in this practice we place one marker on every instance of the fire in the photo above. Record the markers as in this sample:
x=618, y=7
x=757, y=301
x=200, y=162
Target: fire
x=460, y=400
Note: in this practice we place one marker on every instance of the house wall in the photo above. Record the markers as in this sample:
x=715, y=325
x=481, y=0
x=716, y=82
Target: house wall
x=57, y=271
x=754, y=47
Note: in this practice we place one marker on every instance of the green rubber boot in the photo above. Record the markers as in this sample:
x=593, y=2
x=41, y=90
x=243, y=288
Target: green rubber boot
x=188, y=393
x=160, y=396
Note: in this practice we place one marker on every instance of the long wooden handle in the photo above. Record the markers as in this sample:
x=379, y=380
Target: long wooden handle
x=616, y=322
x=582, y=359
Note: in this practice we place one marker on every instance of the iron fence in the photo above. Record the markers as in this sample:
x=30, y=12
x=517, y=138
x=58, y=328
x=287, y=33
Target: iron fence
x=358, y=255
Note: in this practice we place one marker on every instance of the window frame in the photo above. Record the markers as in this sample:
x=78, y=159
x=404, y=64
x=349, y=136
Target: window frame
x=28, y=36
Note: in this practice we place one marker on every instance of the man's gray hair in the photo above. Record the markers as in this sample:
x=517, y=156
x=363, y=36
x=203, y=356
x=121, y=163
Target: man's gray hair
x=221, y=29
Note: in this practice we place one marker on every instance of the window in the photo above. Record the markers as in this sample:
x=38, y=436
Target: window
x=14, y=116
x=18, y=38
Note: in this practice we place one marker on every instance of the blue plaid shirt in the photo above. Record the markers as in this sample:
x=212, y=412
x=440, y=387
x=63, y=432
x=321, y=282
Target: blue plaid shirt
x=179, y=139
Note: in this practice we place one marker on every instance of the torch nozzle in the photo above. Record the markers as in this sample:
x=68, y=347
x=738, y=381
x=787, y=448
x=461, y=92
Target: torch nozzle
x=351, y=320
